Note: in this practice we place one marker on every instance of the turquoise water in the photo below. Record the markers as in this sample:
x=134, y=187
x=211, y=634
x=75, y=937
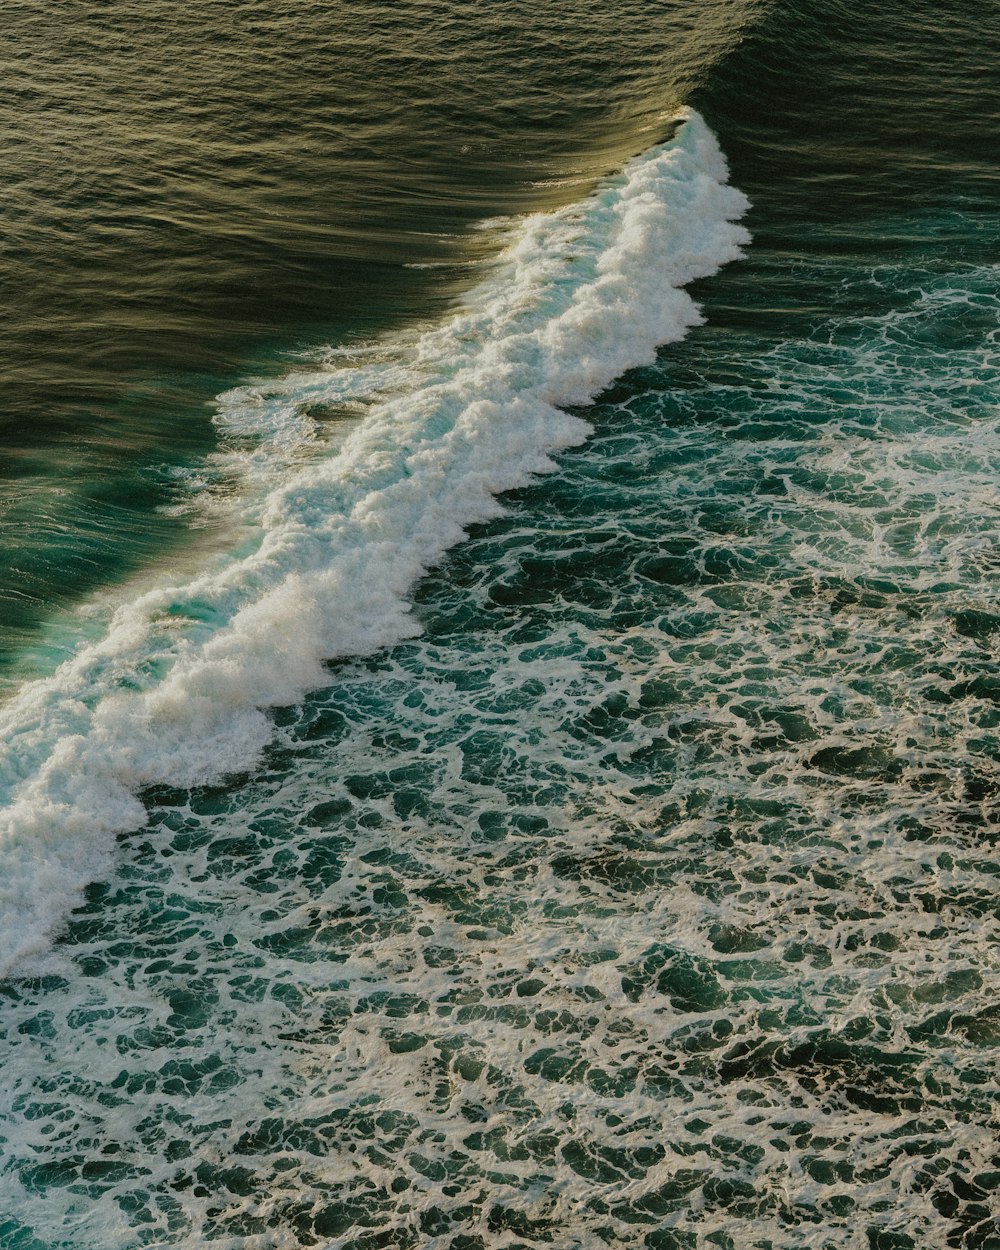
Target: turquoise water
x=626, y=875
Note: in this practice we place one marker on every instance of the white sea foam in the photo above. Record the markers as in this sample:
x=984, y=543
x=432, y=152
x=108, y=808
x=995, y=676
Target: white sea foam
x=175, y=691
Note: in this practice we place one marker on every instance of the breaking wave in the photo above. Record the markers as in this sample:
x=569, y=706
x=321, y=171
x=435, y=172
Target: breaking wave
x=177, y=689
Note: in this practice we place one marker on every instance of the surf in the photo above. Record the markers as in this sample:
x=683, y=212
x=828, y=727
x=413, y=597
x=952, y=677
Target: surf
x=178, y=689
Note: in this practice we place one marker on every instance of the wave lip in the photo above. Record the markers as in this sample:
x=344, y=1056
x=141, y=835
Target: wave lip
x=175, y=692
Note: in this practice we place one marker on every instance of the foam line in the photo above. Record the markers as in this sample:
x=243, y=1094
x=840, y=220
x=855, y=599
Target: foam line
x=176, y=690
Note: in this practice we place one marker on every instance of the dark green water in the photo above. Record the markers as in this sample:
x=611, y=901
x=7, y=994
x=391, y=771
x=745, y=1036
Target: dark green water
x=647, y=896
x=192, y=195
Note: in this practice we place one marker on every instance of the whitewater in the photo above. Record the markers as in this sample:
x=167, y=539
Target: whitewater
x=178, y=688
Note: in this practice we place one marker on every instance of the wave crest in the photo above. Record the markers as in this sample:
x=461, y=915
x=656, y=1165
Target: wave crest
x=176, y=690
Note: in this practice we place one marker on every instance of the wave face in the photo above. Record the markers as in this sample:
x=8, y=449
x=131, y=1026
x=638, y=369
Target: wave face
x=175, y=692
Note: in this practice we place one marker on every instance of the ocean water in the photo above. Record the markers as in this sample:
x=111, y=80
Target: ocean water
x=501, y=611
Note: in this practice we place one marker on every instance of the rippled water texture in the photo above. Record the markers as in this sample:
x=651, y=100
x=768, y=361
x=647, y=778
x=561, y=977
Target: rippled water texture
x=647, y=896
x=189, y=191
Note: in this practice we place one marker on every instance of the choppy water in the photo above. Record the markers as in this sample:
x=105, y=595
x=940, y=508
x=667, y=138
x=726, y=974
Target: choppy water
x=630, y=879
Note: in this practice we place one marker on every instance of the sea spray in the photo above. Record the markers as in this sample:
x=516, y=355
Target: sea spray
x=176, y=690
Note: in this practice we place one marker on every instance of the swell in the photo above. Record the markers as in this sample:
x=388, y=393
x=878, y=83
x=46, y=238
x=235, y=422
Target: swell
x=178, y=689
x=814, y=93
